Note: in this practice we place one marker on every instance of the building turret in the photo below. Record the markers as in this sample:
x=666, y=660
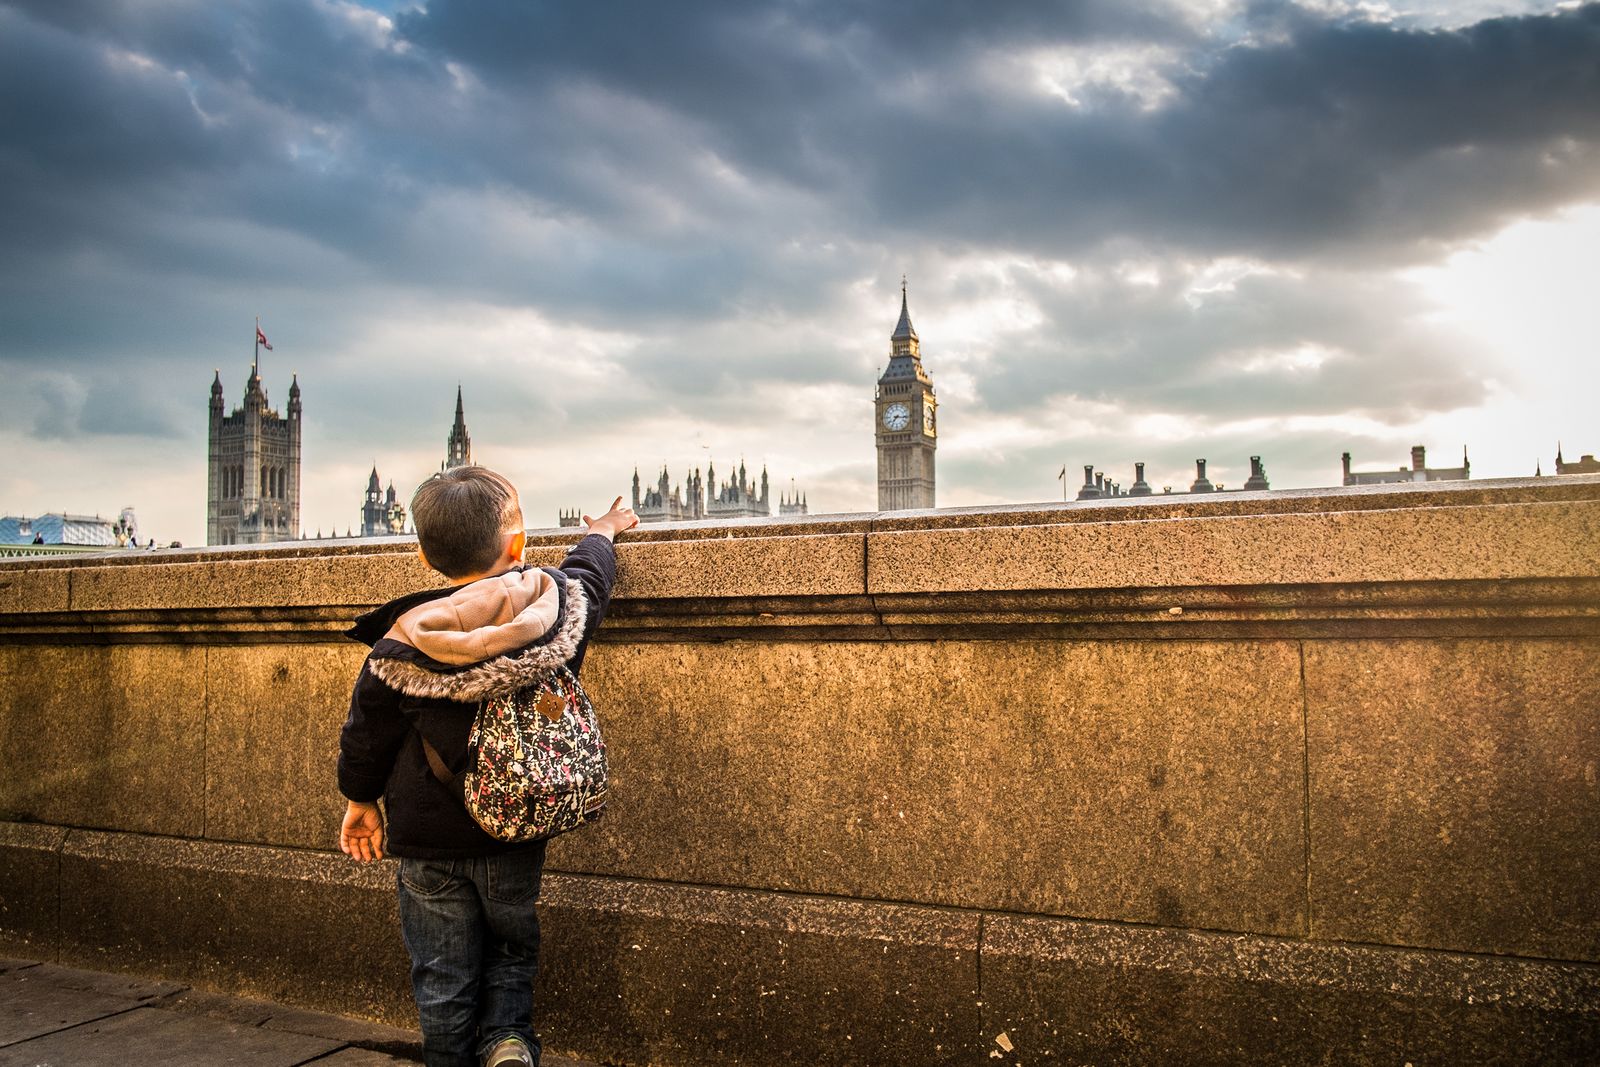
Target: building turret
x=1201, y=483
x=215, y=476
x=458, y=448
x=290, y=472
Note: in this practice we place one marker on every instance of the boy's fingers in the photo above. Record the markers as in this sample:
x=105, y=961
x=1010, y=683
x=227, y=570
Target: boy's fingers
x=617, y=503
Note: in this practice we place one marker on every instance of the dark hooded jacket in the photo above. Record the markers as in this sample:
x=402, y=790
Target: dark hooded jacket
x=435, y=656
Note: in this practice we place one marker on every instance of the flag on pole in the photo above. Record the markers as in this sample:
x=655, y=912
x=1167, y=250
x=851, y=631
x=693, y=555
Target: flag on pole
x=261, y=339
x=1063, y=475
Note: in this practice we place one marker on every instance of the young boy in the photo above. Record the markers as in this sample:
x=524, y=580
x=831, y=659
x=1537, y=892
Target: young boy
x=466, y=898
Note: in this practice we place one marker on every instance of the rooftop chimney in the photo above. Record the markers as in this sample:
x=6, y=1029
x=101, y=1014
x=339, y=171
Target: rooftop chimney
x=1418, y=457
x=1088, y=492
x=1140, y=487
x=1258, y=475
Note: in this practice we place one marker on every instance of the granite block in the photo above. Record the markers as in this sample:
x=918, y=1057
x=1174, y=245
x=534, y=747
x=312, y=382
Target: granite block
x=677, y=975
x=1075, y=993
x=1156, y=783
x=1455, y=794
x=272, y=741
x=288, y=576
x=1534, y=540
x=29, y=857
x=308, y=929
x=813, y=566
x=111, y=737
x=30, y=590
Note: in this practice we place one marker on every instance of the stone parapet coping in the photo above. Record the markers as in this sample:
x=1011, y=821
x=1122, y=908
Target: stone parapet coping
x=1448, y=559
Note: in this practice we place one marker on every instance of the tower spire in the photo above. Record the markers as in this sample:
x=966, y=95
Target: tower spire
x=903, y=330
x=459, y=446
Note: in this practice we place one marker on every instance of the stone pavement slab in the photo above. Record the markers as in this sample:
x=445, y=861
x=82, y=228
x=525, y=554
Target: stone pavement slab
x=31, y=1009
x=54, y=1016
x=150, y=1035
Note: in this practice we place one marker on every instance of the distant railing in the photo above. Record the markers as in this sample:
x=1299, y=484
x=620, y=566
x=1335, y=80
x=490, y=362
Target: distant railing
x=11, y=551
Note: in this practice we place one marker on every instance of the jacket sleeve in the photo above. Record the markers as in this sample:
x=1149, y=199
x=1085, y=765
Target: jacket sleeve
x=371, y=738
x=593, y=562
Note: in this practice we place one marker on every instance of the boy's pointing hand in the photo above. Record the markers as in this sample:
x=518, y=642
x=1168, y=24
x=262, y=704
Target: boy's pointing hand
x=612, y=522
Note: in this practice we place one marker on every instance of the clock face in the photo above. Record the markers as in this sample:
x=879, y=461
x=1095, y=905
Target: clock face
x=927, y=419
x=896, y=417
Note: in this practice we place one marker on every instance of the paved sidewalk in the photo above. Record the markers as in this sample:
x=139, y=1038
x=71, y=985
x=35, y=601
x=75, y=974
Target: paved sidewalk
x=59, y=1017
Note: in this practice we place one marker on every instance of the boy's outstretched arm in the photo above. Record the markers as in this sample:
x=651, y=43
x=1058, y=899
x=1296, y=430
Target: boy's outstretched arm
x=612, y=522
x=593, y=562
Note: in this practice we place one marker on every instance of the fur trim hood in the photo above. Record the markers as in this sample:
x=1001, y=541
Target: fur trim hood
x=490, y=637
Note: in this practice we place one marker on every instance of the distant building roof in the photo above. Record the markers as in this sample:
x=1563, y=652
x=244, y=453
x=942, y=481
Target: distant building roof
x=1587, y=465
x=1419, y=471
x=58, y=529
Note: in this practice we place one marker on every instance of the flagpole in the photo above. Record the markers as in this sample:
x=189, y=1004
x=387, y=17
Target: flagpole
x=255, y=360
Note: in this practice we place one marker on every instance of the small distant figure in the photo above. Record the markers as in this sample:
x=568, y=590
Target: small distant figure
x=466, y=898
x=38, y=538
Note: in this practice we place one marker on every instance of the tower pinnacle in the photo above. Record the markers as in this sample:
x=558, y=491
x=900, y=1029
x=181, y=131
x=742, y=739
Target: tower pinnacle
x=459, y=446
x=903, y=330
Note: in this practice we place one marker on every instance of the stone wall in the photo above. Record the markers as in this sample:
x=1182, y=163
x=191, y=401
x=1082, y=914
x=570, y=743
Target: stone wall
x=1307, y=777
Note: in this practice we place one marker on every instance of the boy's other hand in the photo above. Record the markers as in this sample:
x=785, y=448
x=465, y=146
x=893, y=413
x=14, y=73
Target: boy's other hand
x=612, y=522
x=361, y=836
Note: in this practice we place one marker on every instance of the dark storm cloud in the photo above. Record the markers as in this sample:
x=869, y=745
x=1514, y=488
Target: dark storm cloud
x=1316, y=134
x=873, y=121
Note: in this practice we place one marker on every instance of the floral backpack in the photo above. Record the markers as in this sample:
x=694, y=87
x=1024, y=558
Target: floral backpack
x=536, y=764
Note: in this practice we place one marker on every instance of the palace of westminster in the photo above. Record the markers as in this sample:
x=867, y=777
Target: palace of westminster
x=254, y=438
x=253, y=475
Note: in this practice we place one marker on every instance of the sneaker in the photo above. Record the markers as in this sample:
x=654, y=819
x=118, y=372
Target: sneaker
x=509, y=1051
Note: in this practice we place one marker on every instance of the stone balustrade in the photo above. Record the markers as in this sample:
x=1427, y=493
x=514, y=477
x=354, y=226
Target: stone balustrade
x=1289, y=776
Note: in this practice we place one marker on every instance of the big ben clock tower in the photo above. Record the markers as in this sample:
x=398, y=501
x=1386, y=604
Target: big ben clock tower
x=905, y=427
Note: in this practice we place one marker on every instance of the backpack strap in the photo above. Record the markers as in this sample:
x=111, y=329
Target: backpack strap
x=435, y=763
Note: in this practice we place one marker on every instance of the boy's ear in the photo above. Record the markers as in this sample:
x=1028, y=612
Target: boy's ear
x=423, y=556
x=519, y=544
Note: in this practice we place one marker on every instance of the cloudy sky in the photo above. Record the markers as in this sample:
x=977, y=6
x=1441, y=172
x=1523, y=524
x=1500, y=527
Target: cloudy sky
x=660, y=233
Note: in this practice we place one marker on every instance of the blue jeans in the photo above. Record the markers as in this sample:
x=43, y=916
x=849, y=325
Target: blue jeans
x=473, y=935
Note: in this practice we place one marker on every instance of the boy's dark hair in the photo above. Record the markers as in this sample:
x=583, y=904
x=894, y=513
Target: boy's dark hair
x=462, y=516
